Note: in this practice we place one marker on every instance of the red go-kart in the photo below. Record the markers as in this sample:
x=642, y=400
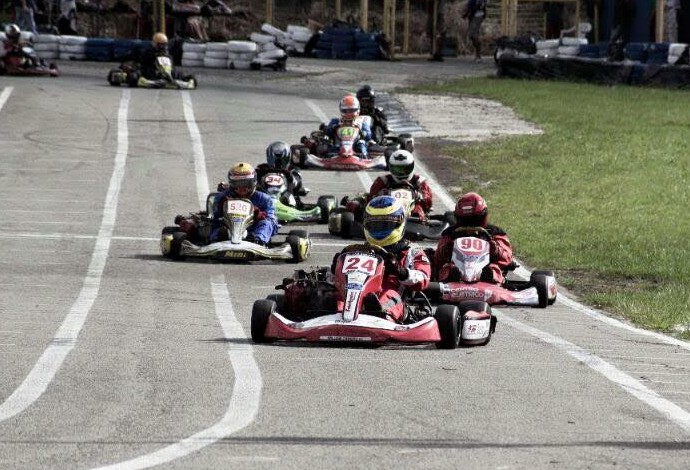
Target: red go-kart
x=318, y=306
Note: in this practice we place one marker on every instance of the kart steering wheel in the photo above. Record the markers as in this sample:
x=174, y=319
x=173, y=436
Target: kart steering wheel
x=478, y=232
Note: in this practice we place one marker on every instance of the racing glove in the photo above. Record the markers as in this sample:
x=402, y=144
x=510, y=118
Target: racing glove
x=222, y=186
x=259, y=214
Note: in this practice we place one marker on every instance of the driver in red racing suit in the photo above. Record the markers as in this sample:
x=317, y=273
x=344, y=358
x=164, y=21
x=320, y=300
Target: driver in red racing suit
x=13, y=46
x=401, y=168
x=472, y=211
x=407, y=269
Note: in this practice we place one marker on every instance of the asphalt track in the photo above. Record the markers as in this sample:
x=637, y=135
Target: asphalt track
x=112, y=357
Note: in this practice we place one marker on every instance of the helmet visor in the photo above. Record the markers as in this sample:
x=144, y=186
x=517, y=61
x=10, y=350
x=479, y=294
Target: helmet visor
x=401, y=171
x=243, y=186
x=382, y=226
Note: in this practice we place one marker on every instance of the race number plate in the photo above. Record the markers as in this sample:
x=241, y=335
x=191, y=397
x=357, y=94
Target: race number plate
x=362, y=263
x=238, y=208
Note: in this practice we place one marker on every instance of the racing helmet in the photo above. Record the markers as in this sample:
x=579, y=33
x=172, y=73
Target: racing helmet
x=160, y=42
x=384, y=221
x=12, y=31
x=471, y=211
x=366, y=97
x=401, y=165
x=242, y=179
x=278, y=155
x=349, y=108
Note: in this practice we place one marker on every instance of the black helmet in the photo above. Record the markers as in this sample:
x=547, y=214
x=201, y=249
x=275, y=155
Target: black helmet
x=366, y=96
x=278, y=155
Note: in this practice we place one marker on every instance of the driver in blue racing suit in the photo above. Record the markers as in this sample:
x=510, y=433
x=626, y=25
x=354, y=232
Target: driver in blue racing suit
x=349, y=111
x=242, y=184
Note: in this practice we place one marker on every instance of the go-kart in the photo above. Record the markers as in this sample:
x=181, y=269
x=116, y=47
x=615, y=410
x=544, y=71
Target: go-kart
x=318, y=306
x=128, y=74
x=469, y=259
x=347, y=224
x=319, y=151
x=287, y=208
x=25, y=62
x=403, y=141
x=190, y=237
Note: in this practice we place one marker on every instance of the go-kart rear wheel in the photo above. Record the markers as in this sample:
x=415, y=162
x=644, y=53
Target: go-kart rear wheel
x=261, y=312
x=448, y=320
x=299, y=233
x=176, y=245
x=347, y=221
x=541, y=282
x=279, y=299
x=548, y=274
x=326, y=204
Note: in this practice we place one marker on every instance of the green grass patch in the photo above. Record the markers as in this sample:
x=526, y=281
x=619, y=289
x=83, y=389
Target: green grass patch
x=602, y=197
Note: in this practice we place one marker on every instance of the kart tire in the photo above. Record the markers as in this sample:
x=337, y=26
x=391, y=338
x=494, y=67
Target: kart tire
x=326, y=204
x=261, y=312
x=279, y=299
x=476, y=306
x=176, y=245
x=167, y=231
x=540, y=281
x=299, y=233
x=448, y=319
x=295, y=243
x=547, y=274
x=347, y=221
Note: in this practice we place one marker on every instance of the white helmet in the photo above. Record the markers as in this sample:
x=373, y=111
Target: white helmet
x=401, y=165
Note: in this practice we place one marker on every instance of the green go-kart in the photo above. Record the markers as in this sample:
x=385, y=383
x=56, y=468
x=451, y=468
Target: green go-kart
x=288, y=209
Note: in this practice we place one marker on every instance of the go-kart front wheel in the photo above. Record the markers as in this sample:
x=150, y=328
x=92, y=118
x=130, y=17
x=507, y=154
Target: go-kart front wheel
x=540, y=280
x=448, y=320
x=261, y=312
x=299, y=244
x=326, y=204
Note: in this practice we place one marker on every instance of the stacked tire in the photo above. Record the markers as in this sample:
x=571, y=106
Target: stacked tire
x=47, y=46
x=241, y=54
x=193, y=54
x=216, y=55
x=73, y=47
x=99, y=49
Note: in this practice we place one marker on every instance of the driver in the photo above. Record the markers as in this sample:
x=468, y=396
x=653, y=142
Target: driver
x=367, y=102
x=278, y=160
x=407, y=268
x=13, y=44
x=472, y=211
x=159, y=47
x=401, y=168
x=349, y=110
x=242, y=184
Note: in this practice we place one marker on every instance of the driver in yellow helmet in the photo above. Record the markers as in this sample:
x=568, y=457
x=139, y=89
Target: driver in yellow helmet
x=159, y=46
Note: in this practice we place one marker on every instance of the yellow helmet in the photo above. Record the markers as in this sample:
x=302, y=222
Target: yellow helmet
x=384, y=221
x=160, y=41
x=242, y=179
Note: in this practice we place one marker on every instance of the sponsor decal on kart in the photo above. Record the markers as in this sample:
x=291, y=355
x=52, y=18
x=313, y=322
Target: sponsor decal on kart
x=345, y=338
x=465, y=293
x=475, y=329
x=235, y=254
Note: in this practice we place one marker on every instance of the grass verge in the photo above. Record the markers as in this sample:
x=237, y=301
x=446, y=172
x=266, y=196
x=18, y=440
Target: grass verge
x=602, y=197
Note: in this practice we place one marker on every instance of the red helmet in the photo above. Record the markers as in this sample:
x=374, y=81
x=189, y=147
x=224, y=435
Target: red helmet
x=471, y=211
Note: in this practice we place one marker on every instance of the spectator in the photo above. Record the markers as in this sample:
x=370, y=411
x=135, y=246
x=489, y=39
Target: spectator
x=67, y=22
x=475, y=12
x=24, y=15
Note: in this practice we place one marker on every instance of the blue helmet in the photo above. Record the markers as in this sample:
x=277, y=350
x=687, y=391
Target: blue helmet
x=384, y=221
x=278, y=155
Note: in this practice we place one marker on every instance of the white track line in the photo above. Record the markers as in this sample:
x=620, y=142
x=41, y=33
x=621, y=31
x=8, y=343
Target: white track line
x=65, y=339
x=5, y=95
x=245, y=395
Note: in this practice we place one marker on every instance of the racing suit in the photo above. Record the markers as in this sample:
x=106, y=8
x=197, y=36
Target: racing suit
x=500, y=256
x=379, y=126
x=361, y=144
x=265, y=223
x=408, y=269
x=15, y=48
x=422, y=205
